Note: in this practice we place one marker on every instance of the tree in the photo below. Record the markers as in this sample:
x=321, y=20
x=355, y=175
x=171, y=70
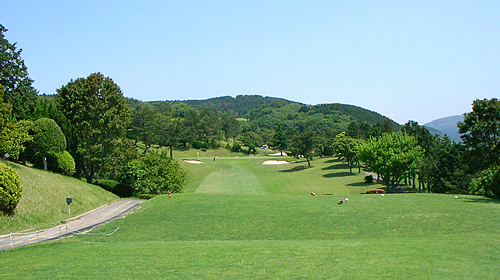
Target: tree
x=345, y=148
x=97, y=113
x=19, y=91
x=13, y=136
x=10, y=189
x=392, y=155
x=303, y=144
x=481, y=134
x=279, y=140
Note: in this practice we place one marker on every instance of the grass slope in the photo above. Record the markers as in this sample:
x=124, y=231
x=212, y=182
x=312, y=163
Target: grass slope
x=43, y=202
x=213, y=236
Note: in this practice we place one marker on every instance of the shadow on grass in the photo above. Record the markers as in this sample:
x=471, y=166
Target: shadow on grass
x=339, y=174
x=336, y=166
x=333, y=160
x=360, y=184
x=296, y=168
x=482, y=200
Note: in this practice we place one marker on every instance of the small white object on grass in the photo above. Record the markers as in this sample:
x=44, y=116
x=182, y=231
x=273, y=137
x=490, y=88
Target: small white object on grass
x=456, y=197
x=346, y=199
x=382, y=195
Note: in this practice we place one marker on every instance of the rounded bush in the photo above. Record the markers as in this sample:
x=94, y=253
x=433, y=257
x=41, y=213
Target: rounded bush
x=48, y=138
x=62, y=163
x=10, y=189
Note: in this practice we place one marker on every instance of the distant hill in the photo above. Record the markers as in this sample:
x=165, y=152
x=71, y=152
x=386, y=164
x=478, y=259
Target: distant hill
x=245, y=106
x=447, y=125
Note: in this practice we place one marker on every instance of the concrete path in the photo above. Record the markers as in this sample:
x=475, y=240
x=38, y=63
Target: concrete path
x=72, y=226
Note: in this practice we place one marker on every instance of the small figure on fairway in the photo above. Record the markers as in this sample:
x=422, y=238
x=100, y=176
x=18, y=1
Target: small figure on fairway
x=341, y=201
x=169, y=194
x=214, y=158
x=313, y=194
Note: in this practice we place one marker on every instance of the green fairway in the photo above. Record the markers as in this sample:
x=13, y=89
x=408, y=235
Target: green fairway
x=213, y=236
x=239, y=175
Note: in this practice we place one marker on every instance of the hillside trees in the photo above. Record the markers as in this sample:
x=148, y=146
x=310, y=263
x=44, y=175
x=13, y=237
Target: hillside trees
x=392, y=156
x=97, y=113
x=19, y=91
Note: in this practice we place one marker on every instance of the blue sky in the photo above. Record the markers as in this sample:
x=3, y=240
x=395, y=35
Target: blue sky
x=408, y=60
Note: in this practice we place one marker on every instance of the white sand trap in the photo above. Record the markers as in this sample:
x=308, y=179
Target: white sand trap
x=275, y=162
x=278, y=155
x=193, y=161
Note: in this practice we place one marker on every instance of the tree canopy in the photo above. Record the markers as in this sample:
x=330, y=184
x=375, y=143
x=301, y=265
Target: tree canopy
x=97, y=113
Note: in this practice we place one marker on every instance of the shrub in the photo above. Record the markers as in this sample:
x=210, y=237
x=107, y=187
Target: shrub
x=375, y=191
x=200, y=145
x=147, y=196
x=114, y=187
x=61, y=162
x=10, y=189
x=369, y=179
x=47, y=138
x=236, y=148
x=156, y=173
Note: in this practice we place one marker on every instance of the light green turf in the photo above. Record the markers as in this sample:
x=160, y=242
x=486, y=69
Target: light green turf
x=225, y=236
x=248, y=175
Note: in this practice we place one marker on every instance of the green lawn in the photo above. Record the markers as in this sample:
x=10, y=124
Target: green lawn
x=239, y=175
x=239, y=219
x=252, y=236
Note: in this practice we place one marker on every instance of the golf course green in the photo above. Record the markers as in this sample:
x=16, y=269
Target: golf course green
x=241, y=219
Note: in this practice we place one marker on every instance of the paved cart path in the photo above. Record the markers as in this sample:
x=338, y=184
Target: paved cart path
x=71, y=226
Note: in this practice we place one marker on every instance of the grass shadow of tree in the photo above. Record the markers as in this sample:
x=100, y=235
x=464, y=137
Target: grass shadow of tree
x=481, y=200
x=295, y=169
x=336, y=166
x=338, y=174
x=333, y=160
x=359, y=184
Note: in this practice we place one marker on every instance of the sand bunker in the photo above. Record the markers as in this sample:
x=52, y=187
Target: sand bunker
x=193, y=161
x=275, y=162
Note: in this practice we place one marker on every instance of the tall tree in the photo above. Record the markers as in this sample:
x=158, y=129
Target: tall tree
x=481, y=134
x=14, y=77
x=279, y=140
x=393, y=156
x=303, y=144
x=98, y=114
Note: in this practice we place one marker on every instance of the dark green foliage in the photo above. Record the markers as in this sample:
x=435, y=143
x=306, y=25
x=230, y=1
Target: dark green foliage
x=10, y=189
x=487, y=182
x=61, y=162
x=369, y=179
x=97, y=115
x=156, y=174
x=47, y=138
x=19, y=91
x=481, y=134
x=200, y=145
x=124, y=152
